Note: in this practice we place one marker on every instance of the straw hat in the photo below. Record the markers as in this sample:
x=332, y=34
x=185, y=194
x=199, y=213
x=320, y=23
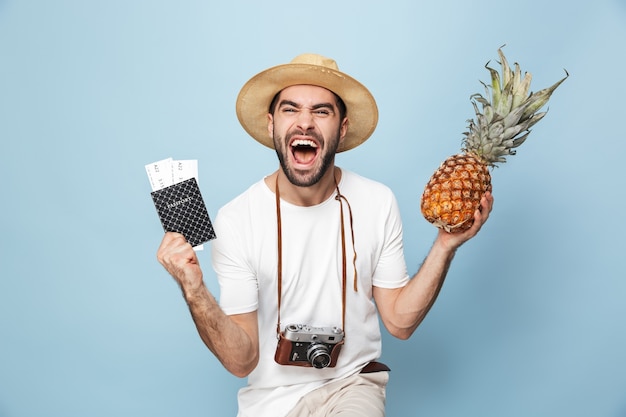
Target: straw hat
x=256, y=95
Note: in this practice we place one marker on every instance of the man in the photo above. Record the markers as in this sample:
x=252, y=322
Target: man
x=309, y=246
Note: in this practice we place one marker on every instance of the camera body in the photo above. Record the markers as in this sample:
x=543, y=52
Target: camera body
x=305, y=345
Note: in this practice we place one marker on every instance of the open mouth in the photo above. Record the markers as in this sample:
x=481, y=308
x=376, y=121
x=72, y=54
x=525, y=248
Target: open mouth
x=304, y=151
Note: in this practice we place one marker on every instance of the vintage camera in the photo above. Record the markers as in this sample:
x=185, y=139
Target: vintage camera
x=304, y=345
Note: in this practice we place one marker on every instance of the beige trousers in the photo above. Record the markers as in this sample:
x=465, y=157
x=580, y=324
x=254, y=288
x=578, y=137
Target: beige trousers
x=361, y=395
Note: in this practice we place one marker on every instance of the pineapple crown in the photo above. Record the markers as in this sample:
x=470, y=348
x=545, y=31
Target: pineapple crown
x=508, y=113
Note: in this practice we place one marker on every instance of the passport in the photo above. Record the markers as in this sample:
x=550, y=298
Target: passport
x=181, y=209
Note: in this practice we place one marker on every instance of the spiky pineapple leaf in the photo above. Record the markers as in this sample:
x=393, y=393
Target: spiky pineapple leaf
x=506, y=114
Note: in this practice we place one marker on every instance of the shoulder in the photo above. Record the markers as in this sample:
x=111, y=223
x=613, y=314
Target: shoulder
x=245, y=205
x=256, y=191
x=359, y=185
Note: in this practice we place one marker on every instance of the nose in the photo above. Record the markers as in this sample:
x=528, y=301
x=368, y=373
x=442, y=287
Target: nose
x=305, y=120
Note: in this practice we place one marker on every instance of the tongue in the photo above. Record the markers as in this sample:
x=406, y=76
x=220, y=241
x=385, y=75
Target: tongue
x=304, y=155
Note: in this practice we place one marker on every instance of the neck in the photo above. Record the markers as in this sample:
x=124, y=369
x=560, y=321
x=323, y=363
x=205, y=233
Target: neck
x=305, y=196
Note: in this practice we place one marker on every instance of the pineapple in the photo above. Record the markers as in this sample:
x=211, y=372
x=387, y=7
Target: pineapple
x=454, y=191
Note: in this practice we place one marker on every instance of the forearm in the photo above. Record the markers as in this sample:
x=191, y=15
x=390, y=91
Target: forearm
x=229, y=341
x=420, y=294
x=408, y=306
x=232, y=339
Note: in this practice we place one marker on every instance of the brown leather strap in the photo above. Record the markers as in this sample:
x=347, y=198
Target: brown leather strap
x=343, y=265
x=374, y=367
x=340, y=197
x=280, y=254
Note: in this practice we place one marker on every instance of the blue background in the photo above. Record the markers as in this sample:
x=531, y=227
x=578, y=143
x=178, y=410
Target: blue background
x=531, y=320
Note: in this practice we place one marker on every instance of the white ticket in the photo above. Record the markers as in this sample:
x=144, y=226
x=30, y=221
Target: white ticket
x=184, y=170
x=160, y=174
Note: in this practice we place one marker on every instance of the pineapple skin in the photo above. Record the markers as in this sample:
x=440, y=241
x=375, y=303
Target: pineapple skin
x=454, y=191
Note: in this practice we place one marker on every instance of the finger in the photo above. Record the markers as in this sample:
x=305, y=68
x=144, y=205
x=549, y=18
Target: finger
x=172, y=242
x=488, y=197
x=486, y=204
x=481, y=215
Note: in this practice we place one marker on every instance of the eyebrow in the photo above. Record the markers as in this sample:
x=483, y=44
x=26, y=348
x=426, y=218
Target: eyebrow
x=314, y=107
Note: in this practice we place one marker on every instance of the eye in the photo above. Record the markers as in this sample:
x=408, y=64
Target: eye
x=323, y=111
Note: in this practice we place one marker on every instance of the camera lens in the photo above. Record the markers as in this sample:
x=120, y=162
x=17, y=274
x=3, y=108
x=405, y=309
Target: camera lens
x=318, y=356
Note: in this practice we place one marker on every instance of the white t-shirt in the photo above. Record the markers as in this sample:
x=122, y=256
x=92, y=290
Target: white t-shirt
x=244, y=256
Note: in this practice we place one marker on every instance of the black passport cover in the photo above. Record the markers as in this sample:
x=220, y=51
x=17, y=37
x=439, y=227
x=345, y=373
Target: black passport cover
x=181, y=209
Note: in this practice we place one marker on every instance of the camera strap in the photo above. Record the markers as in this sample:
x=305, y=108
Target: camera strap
x=340, y=198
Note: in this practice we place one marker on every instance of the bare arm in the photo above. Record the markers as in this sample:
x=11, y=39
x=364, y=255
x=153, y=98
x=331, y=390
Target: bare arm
x=233, y=339
x=403, y=309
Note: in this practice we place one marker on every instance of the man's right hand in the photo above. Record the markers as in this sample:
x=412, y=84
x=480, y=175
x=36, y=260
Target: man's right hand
x=181, y=261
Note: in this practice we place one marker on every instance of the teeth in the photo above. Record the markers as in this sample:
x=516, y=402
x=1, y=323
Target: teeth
x=304, y=142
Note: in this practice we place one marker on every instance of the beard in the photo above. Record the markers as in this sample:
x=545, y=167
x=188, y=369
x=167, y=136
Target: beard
x=310, y=177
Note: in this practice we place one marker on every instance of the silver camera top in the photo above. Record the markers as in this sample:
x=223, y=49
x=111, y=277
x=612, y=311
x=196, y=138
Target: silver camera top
x=309, y=334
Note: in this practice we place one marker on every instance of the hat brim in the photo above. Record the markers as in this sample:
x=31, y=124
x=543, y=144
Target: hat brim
x=256, y=95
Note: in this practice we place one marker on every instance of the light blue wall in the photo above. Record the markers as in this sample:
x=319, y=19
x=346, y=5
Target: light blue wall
x=531, y=321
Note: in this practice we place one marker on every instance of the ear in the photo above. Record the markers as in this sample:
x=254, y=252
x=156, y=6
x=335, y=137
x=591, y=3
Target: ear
x=270, y=125
x=343, y=129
